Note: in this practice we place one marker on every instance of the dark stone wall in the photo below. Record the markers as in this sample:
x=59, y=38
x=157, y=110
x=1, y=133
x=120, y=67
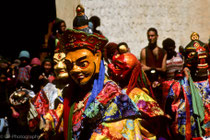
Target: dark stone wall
x=24, y=24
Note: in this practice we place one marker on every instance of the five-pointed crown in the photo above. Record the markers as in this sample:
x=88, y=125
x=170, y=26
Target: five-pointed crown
x=72, y=39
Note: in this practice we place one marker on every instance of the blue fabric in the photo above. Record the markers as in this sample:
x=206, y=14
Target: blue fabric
x=120, y=107
x=1, y=124
x=98, y=84
x=182, y=109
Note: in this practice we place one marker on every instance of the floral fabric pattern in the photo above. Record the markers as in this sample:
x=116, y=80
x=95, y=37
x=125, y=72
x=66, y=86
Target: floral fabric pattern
x=205, y=96
x=111, y=109
x=179, y=96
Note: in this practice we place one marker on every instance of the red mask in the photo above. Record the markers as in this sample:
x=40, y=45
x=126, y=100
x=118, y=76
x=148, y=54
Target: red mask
x=121, y=66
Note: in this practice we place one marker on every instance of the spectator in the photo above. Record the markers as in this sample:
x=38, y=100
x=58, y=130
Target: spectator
x=34, y=74
x=153, y=58
x=174, y=60
x=24, y=69
x=95, y=22
x=4, y=64
x=47, y=72
x=174, y=67
x=58, y=28
x=12, y=72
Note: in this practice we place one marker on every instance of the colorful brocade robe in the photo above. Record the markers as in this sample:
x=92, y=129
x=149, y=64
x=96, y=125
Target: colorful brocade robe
x=204, y=89
x=186, y=107
x=112, y=115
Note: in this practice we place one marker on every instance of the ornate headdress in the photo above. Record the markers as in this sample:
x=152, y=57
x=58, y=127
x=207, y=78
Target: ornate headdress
x=81, y=21
x=195, y=42
x=72, y=39
x=197, y=48
x=196, y=56
x=80, y=10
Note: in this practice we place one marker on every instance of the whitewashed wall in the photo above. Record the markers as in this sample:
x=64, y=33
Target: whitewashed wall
x=65, y=9
x=128, y=20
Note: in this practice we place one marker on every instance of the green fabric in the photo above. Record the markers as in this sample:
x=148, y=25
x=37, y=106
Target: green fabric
x=198, y=107
x=70, y=122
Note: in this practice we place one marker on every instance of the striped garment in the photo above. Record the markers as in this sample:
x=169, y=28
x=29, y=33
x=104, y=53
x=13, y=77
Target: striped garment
x=172, y=65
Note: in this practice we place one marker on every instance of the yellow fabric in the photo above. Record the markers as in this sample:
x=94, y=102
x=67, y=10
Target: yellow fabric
x=138, y=94
x=48, y=117
x=111, y=110
x=123, y=129
x=59, y=110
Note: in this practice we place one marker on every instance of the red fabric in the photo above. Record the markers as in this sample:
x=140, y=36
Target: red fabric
x=188, y=123
x=76, y=39
x=209, y=76
x=165, y=89
x=53, y=113
x=133, y=82
x=41, y=103
x=33, y=123
x=176, y=88
x=66, y=116
x=108, y=92
x=152, y=60
x=198, y=138
x=134, y=78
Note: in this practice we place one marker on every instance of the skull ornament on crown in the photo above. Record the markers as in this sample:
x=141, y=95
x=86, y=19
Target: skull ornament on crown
x=122, y=63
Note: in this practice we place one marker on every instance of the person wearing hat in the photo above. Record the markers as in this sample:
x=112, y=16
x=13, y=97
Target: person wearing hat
x=24, y=69
x=196, y=59
x=94, y=106
x=125, y=69
x=81, y=21
x=34, y=74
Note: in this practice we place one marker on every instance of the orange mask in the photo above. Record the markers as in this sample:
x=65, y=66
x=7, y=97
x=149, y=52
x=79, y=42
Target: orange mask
x=83, y=65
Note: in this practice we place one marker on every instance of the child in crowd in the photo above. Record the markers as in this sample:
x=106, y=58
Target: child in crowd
x=47, y=72
x=24, y=69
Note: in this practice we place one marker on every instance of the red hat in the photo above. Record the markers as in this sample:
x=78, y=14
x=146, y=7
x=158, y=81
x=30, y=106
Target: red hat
x=35, y=61
x=72, y=39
